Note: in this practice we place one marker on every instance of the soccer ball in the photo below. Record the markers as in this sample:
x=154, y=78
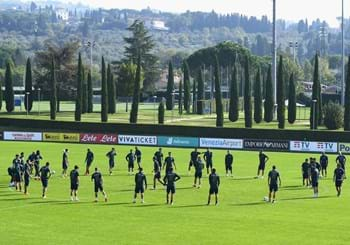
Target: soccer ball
x=266, y=199
x=53, y=172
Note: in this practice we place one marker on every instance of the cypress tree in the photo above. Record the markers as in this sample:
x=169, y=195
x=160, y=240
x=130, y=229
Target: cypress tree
x=247, y=96
x=316, y=91
x=218, y=99
x=292, y=105
x=28, y=87
x=1, y=95
x=280, y=95
x=170, y=88
x=187, y=90
x=257, y=98
x=111, y=90
x=113, y=95
x=89, y=94
x=180, y=97
x=136, y=95
x=104, y=94
x=269, y=102
x=234, y=97
x=53, y=90
x=200, y=93
x=347, y=100
x=9, y=94
x=161, y=111
x=194, y=97
x=84, y=94
x=79, y=96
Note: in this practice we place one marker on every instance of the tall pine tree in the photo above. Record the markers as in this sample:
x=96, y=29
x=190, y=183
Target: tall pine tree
x=218, y=96
x=280, y=95
x=9, y=94
x=187, y=89
x=104, y=93
x=269, y=101
x=194, y=97
x=84, y=100
x=200, y=92
x=1, y=95
x=180, y=98
x=170, y=88
x=292, y=105
x=53, y=91
x=136, y=95
x=257, y=98
x=89, y=94
x=234, y=96
x=347, y=100
x=28, y=87
x=316, y=100
x=111, y=90
x=247, y=96
x=79, y=96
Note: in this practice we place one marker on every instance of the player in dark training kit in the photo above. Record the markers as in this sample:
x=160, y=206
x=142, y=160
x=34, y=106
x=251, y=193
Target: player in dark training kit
x=262, y=164
x=305, y=166
x=156, y=171
x=228, y=163
x=341, y=159
x=159, y=155
x=169, y=163
x=26, y=176
x=38, y=157
x=315, y=174
x=208, y=158
x=169, y=180
x=338, y=178
x=198, y=165
x=274, y=178
x=45, y=174
x=17, y=172
x=88, y=161
x=111, y=155
x=324, y=164
x=98, y=184
x=138, y=156
x=130, y=158
x=214, y=183
x=74, y=183
x=65, y=163
x=140, y=185
x=193, y=158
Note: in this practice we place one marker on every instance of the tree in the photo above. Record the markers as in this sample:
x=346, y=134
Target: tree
x=89, y=94
x=28, y=87
x=269, y=102
x=187, y=90
x=136, y=96
x=161, y=111
x=1, y=95
x=111, y=90
x=126, y=77
x=257, y=98
x=9, y=94
x=180, y=98
x=79, y=96
x=315, y=112
x=200, y=92
x=104, y=94
x=53, y=92
x=280, y=95
x=84, y=106
x=194, y=97
x=292, y=106
x=347, y=100
x=247, y=96
x=170, y=88
x=234, y=97
x=218, y=99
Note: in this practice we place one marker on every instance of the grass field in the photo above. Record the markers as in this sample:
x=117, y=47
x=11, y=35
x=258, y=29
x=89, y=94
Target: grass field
x=241, y=218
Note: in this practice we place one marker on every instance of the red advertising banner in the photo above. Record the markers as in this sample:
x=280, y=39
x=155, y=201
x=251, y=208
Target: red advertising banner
x=98, y=138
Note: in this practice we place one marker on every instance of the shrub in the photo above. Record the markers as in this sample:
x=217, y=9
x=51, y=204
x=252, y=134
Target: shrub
x=333, y=116
x=161, y=110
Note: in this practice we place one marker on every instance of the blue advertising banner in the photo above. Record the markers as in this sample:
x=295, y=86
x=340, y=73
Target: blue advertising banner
x=178, y=141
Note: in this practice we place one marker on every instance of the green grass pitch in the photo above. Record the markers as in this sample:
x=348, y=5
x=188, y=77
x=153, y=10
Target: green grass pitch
x=241, y=218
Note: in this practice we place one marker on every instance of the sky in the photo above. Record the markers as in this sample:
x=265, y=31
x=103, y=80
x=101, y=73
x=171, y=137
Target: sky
x=294, y=10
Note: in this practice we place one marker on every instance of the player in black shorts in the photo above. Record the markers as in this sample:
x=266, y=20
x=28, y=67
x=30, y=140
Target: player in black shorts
x=64, y=163
x=159, y=155
x=98, y=184
x=169, y=163
x=214, y=183
x=324, y=164
x=338, y=178
x=74, y=183
x=305, y=172
x=274, y=178
x=193, y=158
x=130, y=158
x=111, y=155
x=156, y=171
x=198, y=165
x=315, y=174
x=138, y=156
x=228, y=163
x=88, y=161
x=45, y=174
x=16, y=166
x=38, y=157
x=208, y=158
x=169, y=180
x=341, y=159
x=26, y=176
x=262, y=163
x=140, y=185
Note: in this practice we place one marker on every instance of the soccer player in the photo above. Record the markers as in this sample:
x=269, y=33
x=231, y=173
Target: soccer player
x=341, y=159
x=198, y=165
x=305, y=171
x=214, y=183
x=193, y=158
x=338, y=178
x=140, y=185
x=26, y=176
x=262, y=163
x=273, y=179
x=130, y=158
x=74, y=183
x=169, y=180
x=228, y=163
x=16, y=165
x=169, y=163
x=156, y=171
x=111, y=154
x=45, y=174
x=31, y=159
x=208, y=158
x=38, y=157
x=159, y=155
x=88, y=160
x=315, y=174
x=138, y=156
x=98, y=181
x=64, y=163
x=324, y=164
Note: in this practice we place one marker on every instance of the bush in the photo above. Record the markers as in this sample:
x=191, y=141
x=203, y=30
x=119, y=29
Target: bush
x=161, y=110
x=333, y=116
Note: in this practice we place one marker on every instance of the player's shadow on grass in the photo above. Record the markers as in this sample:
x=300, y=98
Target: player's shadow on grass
x=249, y=204
x=305, y=198
x=292, y=187
x=116, y=203
x=241, y=178
x=190, y=206
x=14, y=199
x=145, y=205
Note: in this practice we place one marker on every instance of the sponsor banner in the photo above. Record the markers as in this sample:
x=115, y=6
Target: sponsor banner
x=344, y=147
x=61, y=137
x=220, y=143
x=313, y=146
x=178, y=141
x=22, y=136
x=99, y=138
x=278, y=145
x=136, y=140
